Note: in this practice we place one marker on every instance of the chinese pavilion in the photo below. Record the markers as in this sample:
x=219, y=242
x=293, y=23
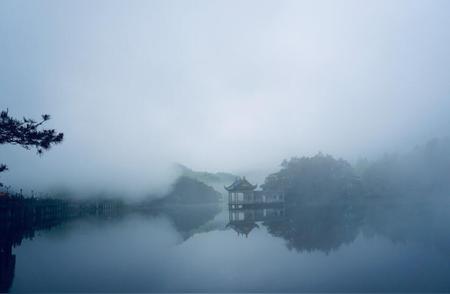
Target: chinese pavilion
x=240, y=193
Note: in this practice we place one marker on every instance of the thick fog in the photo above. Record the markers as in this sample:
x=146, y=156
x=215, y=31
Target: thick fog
x=218, y=85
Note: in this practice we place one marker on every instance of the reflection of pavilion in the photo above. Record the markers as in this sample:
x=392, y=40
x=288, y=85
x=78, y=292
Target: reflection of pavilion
x=242, y=228
x=243, y=221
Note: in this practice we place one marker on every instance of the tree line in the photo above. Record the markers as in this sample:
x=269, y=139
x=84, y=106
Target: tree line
x=422, y=174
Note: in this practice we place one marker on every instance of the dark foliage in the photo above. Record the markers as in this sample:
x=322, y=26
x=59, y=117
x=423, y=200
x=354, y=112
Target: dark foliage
x=403, y=197
x=26, y=133
x=323, y=199
x=320, y=179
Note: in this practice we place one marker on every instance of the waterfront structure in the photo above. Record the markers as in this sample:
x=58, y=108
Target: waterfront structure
x=242, y=194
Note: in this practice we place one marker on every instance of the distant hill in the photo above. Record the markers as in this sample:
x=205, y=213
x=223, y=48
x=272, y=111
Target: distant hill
x=190, y=191
x=216, y=180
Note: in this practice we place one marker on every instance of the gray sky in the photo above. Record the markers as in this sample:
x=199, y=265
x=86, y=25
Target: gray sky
x=218, y=85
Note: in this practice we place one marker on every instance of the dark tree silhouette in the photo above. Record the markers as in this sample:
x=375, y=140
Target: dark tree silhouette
x=25, y=132
x=320, y=179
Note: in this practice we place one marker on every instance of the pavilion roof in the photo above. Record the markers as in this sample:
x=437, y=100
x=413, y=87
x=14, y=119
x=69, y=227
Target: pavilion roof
x=240, y=184
x=242, y=227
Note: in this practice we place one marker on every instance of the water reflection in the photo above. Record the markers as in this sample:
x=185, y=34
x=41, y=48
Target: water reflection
x=317, y=227
x=11, y=235
x=427, y=224
x=7, y=261
x=243, y=221
x=189, y=219
x=305, y=228
x=209, y=248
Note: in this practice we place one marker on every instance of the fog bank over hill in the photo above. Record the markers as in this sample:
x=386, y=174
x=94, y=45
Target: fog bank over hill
x=218, y=85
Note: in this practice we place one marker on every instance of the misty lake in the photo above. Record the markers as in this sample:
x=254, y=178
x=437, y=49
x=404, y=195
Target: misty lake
x=207, y=248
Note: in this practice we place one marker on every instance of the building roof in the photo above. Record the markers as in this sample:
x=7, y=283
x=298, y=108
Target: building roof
x=240, y=184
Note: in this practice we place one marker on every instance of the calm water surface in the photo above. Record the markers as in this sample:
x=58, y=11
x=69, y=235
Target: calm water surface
x=210, y=249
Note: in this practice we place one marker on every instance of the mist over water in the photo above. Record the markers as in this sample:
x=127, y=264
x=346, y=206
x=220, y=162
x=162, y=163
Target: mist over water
x=154, y=253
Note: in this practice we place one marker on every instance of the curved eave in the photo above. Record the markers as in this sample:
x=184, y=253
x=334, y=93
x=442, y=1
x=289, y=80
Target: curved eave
x=232, y=189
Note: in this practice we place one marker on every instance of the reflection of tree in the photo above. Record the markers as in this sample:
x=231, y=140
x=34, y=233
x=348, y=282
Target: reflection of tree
x=7, y=264
x=317, y=227
x=14, y=230
x=327, y=227
x=408, y=195
x=10, y=236
x=427, y=223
